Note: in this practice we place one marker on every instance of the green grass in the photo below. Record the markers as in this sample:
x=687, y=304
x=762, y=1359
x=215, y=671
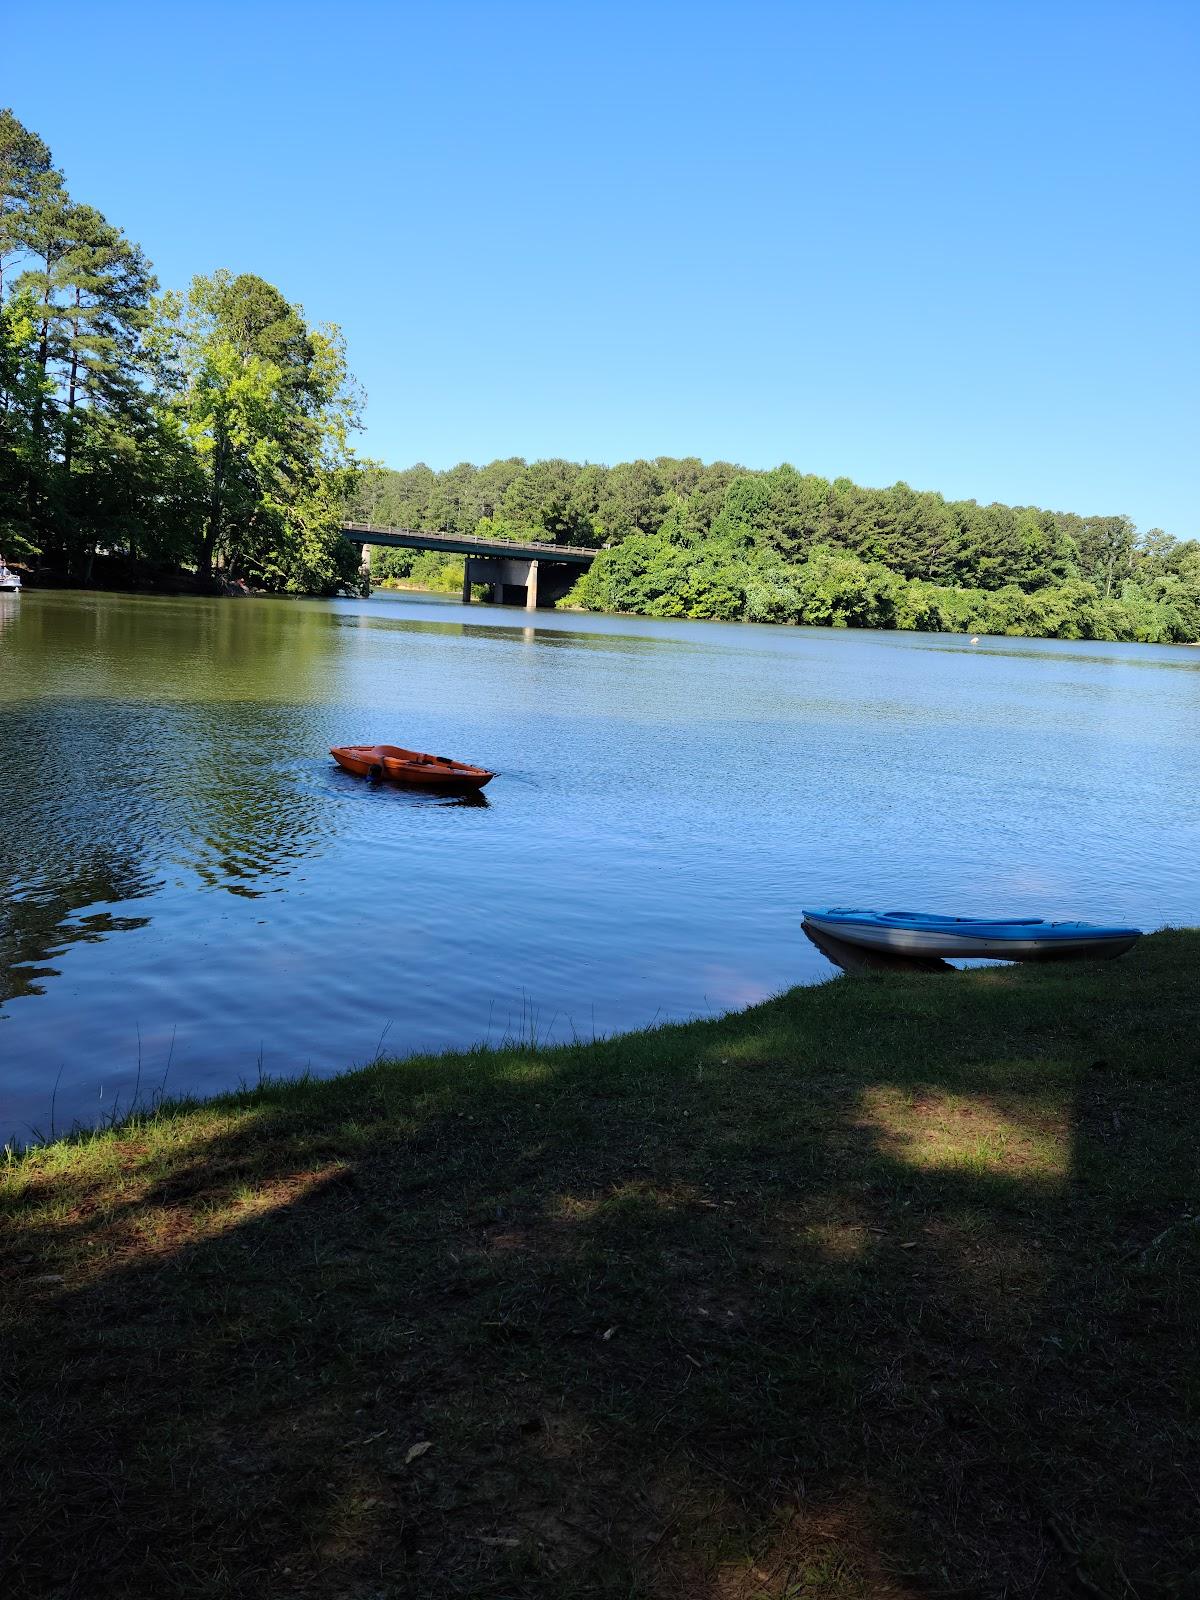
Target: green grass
x=885, y=1288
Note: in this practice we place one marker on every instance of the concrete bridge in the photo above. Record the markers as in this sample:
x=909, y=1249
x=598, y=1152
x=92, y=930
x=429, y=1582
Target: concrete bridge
x=542, y=572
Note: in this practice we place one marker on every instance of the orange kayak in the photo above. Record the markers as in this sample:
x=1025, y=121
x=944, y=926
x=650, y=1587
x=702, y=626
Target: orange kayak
x=409, y=766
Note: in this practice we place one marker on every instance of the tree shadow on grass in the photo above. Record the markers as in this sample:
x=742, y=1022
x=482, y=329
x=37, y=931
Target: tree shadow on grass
x=843, y=1296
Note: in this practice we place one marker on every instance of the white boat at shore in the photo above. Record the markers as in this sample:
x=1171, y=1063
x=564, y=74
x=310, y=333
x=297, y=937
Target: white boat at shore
x=9, y=581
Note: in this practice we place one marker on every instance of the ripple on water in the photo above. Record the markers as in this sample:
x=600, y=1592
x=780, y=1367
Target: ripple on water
x=186, y=878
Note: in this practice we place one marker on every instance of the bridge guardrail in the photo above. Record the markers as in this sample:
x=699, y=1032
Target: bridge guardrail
x=495, y=545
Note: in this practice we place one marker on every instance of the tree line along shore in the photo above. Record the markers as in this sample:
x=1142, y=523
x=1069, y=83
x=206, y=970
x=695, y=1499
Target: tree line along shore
x=681, y=538
x=200, y=437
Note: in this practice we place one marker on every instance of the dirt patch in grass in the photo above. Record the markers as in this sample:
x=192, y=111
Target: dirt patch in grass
x=884, y=1289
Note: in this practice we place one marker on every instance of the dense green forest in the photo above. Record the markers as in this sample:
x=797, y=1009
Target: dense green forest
x=206, y=433
x=688, y=540
x=201, y=433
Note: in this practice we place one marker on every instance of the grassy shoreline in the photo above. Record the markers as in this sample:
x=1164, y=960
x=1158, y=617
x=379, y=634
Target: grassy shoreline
x=884, y=1288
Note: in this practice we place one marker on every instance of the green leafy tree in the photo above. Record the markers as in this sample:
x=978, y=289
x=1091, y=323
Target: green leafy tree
x=491, y=485
x=539, y=501
x=86, y=289
x=94, y=301
x=631, y=499
x=22, y=393
x=1107, y=548
x=25, y=172
x=267, y=406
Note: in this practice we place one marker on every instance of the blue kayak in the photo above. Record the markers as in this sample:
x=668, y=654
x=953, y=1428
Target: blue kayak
x=925, y=933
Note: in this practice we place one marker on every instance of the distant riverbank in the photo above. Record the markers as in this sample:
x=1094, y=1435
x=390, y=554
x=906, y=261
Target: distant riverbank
x=718, y=542
x=415, y=587
x=856, y=601
x=120, y=578
x=692, y=1303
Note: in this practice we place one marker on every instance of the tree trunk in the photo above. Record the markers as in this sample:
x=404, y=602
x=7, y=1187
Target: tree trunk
x=72, y=390
x=43, y=359
x=37, y=418
x=36, y=428
x=212, y=526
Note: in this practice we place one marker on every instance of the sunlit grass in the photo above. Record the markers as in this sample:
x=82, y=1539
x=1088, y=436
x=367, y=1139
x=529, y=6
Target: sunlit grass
x=973, y=1133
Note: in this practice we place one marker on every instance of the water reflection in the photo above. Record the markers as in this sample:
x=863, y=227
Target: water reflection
x=249, y=818
x=854, y=958
x=38, y=920
x=401, y=794
x=137, y=754
x=1170, y=657
x=581, y=633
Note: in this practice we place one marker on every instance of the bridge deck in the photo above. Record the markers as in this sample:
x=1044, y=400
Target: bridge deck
x=466, y=544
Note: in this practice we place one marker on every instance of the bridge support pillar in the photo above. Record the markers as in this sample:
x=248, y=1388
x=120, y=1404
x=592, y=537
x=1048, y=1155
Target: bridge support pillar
x=543, y=579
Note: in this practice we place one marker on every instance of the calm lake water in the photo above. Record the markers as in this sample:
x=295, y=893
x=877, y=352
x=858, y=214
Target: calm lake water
x=187, y=881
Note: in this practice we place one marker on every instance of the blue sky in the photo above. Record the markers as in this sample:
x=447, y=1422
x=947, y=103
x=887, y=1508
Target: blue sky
x=950, y=243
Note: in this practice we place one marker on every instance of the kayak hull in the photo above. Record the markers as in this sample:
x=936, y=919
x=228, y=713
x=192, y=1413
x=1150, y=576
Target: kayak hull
x=860, y=958
x=1024, y=939
x=413, y=768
